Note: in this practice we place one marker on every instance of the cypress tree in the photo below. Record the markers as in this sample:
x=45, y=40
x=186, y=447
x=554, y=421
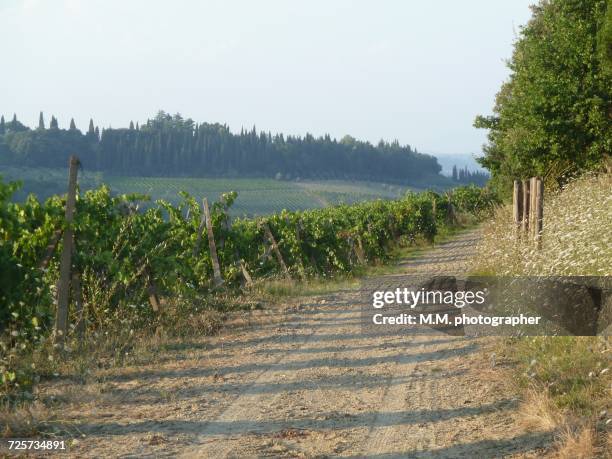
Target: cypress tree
x=41, y=121
x=14, y=125
x=53, y=124
x=97, y=132
x=131, y=125
x=91, y=130
x=72, y=125
x=2, y=125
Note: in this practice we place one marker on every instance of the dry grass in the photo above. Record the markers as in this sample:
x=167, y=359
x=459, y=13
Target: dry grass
x=275, y=289
x=576, y=438
x=578, y=444
x=576, y=235
x=539, y=412
x=24, y=420
x=566, y=379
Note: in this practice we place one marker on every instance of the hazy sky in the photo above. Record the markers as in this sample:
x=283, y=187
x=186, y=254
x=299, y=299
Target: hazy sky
x=418, y=71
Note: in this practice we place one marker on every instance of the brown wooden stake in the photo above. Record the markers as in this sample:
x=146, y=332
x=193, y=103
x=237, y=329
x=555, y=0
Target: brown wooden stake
x=434, y=208
x=276, y=250
x=63, y=288
x=517, y=202
x=532, y=206
x=245, y=274
x=526, y=201
x=300, y=265
x=153, y=298
x=539, y=211
x=450, y=215
x=145, y=271
x=57, y=235
x=453, y=215
x=359, y=251
x=226, y=228
x=196, y=247
x=217, y=279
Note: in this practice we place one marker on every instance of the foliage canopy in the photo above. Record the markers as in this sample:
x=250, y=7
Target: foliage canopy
x=553, y=116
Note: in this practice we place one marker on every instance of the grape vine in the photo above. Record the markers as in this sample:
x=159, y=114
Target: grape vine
x=121, y=250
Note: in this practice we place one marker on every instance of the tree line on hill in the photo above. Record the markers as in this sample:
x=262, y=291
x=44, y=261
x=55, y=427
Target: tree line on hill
x=553, y=117
x=169, y=145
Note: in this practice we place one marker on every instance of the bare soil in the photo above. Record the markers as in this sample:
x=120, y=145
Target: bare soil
x=301, y=380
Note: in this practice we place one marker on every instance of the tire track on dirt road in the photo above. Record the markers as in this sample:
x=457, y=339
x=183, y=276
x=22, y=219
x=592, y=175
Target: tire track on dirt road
x=316, y=384
x=413, y=409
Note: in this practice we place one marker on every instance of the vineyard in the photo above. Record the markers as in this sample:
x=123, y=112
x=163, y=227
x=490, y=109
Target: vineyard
x=256, y=196
x=128, y=260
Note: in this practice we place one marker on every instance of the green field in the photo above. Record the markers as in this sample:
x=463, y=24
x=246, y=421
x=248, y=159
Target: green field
x=255, y=196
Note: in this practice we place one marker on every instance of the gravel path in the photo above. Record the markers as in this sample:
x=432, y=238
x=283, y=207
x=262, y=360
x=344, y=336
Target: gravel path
x=305, y=382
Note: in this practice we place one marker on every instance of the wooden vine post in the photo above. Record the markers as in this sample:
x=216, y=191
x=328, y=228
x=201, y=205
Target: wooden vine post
x=525, y=207
x=359, y=251
x=298, y=238
x=539, y=211
x=450, y=214
x=517, y=204
x=218, y=280
x=528, y=208
x=57, y=235
x=196, y=247
x=245, y=273
x=275, y=249
x=532, y=192
x=152, y=293
x=63, y=288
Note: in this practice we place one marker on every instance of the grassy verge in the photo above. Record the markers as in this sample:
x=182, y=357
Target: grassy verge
x=566, y=380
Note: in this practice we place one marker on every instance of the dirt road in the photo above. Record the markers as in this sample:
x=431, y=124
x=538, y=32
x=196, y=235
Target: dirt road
x=307, y=383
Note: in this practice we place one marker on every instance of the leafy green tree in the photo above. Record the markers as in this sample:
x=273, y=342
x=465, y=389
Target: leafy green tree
x=553, y=115
x=605, y=42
